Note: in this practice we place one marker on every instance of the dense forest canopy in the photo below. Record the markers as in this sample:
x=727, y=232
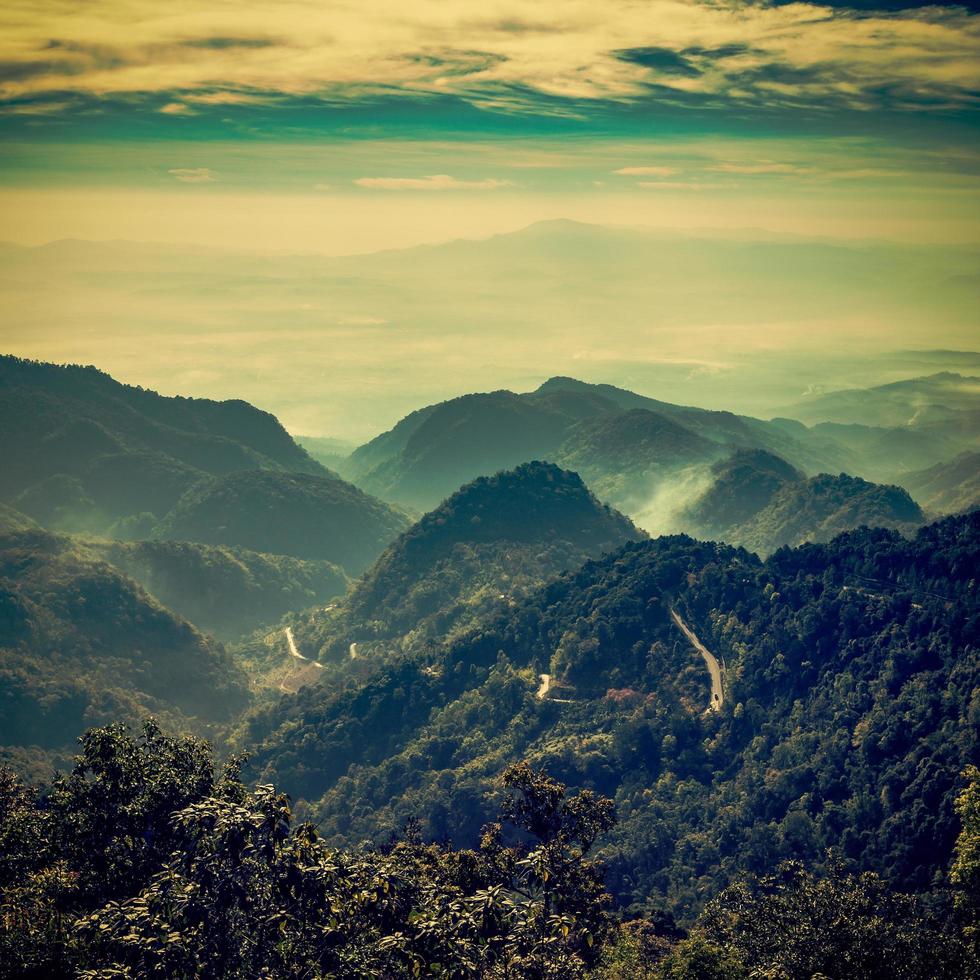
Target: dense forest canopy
x=851, y=706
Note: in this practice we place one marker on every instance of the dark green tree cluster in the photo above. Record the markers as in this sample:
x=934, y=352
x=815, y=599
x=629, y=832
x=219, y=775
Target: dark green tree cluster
x=144, y=862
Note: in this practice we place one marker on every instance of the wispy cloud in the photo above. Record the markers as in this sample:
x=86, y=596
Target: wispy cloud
x=193, y=175
x=646, y=171
x=763, y=167
x=686, y=185
x=435, y=182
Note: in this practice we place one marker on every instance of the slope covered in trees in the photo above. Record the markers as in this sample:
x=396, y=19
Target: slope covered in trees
x=824, y=506
x=742, y=486
x=226, y=591
x=851, y=671
x=490, y=542
x=82, y=451
x=145, y=860
x=311, y=516
x=81, y=643
x=758, y=500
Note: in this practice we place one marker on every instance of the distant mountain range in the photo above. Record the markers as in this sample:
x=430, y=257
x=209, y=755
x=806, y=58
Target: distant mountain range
x=942, y=397
x=623, y=444
x=657, y=311
x=677, y=468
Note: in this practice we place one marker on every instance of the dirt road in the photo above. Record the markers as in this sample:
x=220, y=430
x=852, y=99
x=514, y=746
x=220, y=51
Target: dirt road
x=714, y=668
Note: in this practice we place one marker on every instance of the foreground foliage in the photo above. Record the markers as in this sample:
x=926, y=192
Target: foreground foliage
x=145, y=862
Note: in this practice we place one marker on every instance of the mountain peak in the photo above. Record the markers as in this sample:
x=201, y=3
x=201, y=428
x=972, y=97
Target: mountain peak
x=532, y=501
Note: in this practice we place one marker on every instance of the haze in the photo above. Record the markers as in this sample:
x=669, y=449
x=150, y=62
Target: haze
x=721, y=206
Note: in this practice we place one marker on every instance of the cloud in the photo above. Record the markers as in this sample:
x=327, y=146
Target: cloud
x=647, y=171
x=177, y=109
x=575, y=57
x=223, y=43
x=435, y=182
x=193, y=175
x=224, y=98
x=661, y=59
x=764, y=167
x=685, y=185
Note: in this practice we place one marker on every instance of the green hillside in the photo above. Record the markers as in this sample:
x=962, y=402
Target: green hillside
x=226, y=591
x=824, y=506
x=850, y=671
x=491, y=541
x=310, y=516
x=82, y=451
x=80, y=643
x=951, y=487
x=760, y=501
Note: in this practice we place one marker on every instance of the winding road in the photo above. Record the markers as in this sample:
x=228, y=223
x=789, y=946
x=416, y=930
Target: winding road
x=545, y=688
x=714, y=668
x=294, y=650
x=291, y=640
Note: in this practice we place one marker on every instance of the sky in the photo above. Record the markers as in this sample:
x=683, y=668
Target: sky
x=328, y=129
x=341, y=127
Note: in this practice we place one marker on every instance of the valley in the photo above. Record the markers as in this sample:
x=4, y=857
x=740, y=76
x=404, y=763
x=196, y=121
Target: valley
x=490, y=490
x=750, y=673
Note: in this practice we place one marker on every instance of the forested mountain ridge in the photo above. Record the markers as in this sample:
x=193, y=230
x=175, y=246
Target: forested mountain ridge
x=306, y=515
x=823, y=506
x=493, y=540
x=82, y=451
x=851, y=671
x=80, y=643
x=436, y=449
x=757, y=500
x=742, y=485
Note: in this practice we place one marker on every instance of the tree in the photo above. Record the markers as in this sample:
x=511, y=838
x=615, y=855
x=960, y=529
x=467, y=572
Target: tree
x=794, y=924
x=142, y=862
x=965, y=872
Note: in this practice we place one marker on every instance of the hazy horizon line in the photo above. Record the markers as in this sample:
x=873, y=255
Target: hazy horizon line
x=744, y=234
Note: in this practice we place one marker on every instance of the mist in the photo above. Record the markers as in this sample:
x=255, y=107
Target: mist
x=344, y=347
x=663, y=512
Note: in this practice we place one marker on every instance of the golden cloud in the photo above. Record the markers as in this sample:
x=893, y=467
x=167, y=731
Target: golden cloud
x=486, y=52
